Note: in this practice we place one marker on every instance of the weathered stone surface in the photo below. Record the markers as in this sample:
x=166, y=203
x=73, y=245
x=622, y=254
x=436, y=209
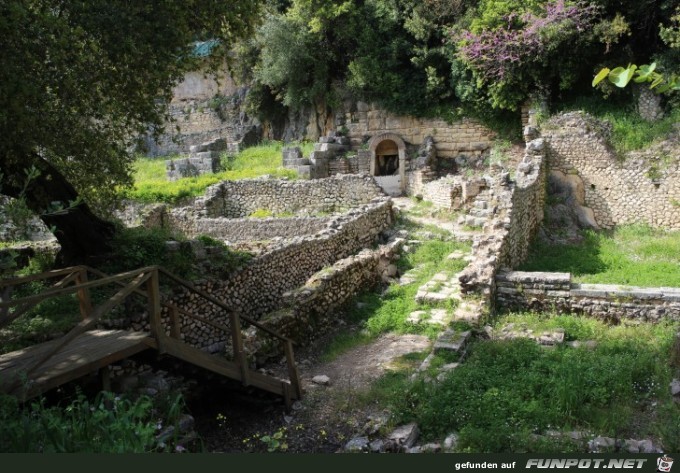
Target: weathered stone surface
x=637, y=189
x=377, y=446
x=357, y=445
x=451, y=442
x=543, y=291
x=321, y=379
x=403, y=437
x=675, y=389
x=452, y=340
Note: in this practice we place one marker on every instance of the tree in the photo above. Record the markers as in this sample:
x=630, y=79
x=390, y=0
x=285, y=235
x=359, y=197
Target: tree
x=79, y=81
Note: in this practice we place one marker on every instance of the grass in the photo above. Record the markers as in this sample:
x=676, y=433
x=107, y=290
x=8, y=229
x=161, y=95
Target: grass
x=630, y=132
x=151, y=184
x=377, y=314
x=635, y=255
x=507, y=392
x=105, y=424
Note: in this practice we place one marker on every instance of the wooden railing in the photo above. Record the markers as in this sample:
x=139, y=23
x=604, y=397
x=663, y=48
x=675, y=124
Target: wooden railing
x=145, y=282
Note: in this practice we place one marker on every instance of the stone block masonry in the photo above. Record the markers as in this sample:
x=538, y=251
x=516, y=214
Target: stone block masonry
x=451, y=139
x=642, y=187
x=237, y=199
x=517, y=213
x=544, y=292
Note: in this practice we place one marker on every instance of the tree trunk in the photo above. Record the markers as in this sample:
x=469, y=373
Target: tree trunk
x=83, y=236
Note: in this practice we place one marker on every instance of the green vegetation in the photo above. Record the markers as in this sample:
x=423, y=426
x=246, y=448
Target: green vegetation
x=388, y=312
x=508, y=391
x=151, y=184
x=634, y=255
x=438, y=57
x=629, y=131
x=107, y=424
x=80, y=82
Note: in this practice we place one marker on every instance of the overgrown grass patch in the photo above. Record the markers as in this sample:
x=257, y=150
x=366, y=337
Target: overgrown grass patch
x=151, y=184
x=381, y=313
x=629, y=131
x=635, y=255
x=507, y=392
x=106, y=424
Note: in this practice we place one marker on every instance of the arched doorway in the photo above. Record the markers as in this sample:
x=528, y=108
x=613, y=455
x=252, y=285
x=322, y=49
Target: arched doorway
x=386, y=158
x=388, y=162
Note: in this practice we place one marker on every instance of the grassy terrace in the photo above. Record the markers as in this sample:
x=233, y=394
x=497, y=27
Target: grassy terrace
x=634, y=255
x=151, y=184
x=377, y=314
x=508, y=394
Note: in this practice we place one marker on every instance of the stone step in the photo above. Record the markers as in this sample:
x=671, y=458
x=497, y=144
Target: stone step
x=410, y=276
x=545, y=338
x=433, y=317
x=470, y=312
x=440, y=288
x=452, y=340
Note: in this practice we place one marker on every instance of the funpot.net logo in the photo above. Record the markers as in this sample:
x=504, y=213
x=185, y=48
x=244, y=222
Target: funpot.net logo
x=664, y=464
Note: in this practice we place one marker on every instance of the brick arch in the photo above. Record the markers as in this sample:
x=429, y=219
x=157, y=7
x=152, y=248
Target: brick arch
x=377, y=139
x=401, y=147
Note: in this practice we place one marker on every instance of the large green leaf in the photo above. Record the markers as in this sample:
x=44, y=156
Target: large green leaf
x=620, y=77
x=600, y=76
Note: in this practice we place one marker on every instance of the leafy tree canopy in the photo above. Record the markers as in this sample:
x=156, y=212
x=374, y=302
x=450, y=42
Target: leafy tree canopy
x=80, y=79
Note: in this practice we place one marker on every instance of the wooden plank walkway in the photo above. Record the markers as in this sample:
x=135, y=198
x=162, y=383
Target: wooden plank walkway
x=89, y=352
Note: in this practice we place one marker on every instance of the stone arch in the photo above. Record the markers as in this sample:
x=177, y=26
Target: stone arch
x=388, y=142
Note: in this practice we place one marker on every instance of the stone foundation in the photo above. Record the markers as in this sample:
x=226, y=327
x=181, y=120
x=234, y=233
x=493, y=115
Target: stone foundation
x=545, y=292
x=236, y=199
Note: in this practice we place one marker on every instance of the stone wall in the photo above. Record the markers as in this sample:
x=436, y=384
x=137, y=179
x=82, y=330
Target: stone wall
x=309, y=309
x=259, y=287
x=449, y=192
x=642, y=188
x=525, y=213
x=542, y=292
x=466, y=136
x=236, y=199
x=247, y=229
x=515, y=215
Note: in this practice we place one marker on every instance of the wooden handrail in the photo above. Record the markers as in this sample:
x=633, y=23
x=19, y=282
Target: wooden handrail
x=89, y=322
x=149, y=277
x=221, y=304
x=40, y=276
x=72, y=289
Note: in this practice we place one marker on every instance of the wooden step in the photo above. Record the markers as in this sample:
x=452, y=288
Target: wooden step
x=227, y=368
x=88, y=352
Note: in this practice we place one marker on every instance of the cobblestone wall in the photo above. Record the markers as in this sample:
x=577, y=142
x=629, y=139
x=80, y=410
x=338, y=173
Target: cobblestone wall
x=259, y=287
x=235, y=199
x=644, y=187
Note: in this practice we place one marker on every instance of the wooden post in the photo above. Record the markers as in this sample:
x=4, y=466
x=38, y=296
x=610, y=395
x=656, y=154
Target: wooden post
x=154, y=309
x=237, y=343
x=286, y=395
x=84, y=294
x=292, y=369
x=175, y=323
x=105, y=374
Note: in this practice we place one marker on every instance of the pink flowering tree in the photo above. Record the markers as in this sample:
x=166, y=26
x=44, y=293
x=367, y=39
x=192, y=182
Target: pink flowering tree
x=516, y=56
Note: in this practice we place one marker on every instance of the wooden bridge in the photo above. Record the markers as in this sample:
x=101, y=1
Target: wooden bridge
x=86, y=348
